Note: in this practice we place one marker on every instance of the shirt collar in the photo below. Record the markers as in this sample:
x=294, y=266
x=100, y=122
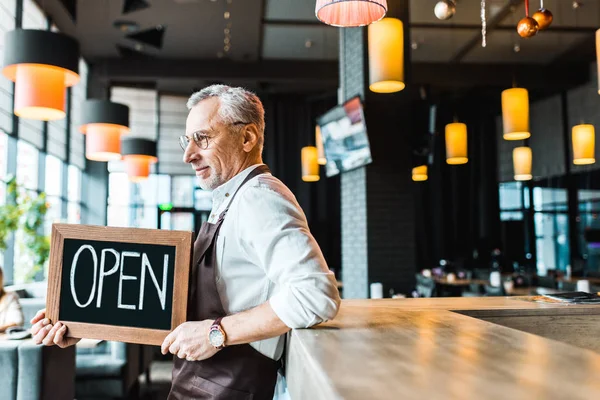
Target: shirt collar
x=229, y=188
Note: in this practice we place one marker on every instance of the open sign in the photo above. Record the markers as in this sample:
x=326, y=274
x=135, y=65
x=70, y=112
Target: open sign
x=121, y=284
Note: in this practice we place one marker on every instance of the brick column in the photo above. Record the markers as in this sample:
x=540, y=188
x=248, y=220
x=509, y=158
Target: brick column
x=377, y=201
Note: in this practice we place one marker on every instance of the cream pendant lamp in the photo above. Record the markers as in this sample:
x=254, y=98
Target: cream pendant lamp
x=515, y=114
x=456, y=143
x=320, y=148
x=386, y=56
x=419, y=174
x=103, y=123
x=310, y=164
x=522, y=159
x=42, y=64
x=350, y=13
x=138, y=154
x=583, y=140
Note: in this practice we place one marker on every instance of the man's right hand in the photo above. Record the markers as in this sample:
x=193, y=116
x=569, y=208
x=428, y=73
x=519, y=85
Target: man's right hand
x=44, y=332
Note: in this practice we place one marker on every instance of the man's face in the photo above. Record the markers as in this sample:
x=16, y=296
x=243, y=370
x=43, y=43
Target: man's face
x=223, y=157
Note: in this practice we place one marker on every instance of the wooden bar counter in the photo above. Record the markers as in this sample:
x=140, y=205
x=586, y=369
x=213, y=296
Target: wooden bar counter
x=449, y=348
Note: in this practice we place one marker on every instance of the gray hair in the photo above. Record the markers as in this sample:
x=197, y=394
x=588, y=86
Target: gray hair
x=237, y=105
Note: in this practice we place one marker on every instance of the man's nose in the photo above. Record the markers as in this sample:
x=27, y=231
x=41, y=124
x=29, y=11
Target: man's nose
x=190, y=153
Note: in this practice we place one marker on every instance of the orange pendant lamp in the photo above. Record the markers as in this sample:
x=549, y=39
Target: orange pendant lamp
x=456, y=144
x=515, y=114
x=350, y=13
x=583, y=142
x=103, y=123
x=138, y=154
x=42, y=64
x=419, y=174
x=310, y=164
x=386, y=56
x=522, y=157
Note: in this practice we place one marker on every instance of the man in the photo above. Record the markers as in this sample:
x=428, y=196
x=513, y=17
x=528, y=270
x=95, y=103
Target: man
x=257, y=270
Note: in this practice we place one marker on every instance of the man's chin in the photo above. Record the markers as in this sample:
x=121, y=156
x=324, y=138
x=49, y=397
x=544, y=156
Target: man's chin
x=207, y=184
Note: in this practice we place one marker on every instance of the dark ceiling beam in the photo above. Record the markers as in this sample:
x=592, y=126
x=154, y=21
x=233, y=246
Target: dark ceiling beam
x=565, y=29
x=295, y=22
x=456, y=76
x=325, y=73
x=491, y=24
x=274, y=71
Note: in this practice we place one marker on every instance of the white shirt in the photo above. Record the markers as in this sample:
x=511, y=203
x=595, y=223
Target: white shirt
x=265, y=252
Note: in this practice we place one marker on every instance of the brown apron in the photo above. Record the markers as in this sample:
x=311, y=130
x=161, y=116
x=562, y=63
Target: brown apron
x=235, y=372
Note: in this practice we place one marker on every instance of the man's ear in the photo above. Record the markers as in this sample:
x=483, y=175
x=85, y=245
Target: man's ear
x=250, y=137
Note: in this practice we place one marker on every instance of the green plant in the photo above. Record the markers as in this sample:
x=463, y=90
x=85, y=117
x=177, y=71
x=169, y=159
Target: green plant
x=26, y=213
x=10, y=214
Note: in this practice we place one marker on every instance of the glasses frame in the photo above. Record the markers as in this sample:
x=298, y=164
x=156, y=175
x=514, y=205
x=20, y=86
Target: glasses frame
x=202, y=141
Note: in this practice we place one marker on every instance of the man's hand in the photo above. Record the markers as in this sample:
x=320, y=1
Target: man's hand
x=44, y=332
x=189, y=341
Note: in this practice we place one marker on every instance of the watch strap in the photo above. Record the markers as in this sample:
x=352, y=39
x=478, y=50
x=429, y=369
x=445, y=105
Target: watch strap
x=216, y=326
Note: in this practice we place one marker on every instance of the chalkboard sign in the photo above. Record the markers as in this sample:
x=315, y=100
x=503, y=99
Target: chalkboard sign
x=123, y=284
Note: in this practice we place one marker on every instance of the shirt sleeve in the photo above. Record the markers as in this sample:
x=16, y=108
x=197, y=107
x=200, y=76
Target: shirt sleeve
x=13, y=313
x=274, y=232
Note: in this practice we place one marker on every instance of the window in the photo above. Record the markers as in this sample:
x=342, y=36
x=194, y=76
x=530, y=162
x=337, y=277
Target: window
x=7, y=23
x=33, y=16
x=78, y=96
x=74, y=195
x=118, y=199
x=511, y=201
x=182, y=191
x=27, y=165
x=551, y=229
x=3, y=166
x=53, y=191
x=136, y=205
x=589, y=218
x=173, y=114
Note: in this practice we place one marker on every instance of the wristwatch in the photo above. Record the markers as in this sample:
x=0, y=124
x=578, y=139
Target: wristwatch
x=216, y=334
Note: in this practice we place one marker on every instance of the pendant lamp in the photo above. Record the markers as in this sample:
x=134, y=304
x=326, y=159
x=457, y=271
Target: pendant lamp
x=310, y=165
x=386, y=56
x=320, y=149
x=515, y=114
x=522, y=163
x=138, y=154
x=350, y=13
x=419, y=174
x=103, y=123
x=42, y=64
x=584, y=137
x=456, y=143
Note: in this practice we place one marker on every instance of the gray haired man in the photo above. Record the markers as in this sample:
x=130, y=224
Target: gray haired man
x=257, y=271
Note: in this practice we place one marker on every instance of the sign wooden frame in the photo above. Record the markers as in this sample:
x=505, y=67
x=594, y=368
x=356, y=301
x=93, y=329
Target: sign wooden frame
x=182, y=241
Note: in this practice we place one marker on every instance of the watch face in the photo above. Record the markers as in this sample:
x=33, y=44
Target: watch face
x=216, y=338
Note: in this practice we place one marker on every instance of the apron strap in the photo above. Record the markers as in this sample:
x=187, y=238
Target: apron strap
x=261, y=169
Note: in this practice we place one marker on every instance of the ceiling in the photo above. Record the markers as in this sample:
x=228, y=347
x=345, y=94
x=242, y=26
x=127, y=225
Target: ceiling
x=287, y=30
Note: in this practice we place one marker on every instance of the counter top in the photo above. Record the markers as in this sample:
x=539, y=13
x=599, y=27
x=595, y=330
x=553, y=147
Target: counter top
x=448, y=348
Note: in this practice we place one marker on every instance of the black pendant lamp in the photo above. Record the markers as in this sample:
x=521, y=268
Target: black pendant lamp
x=138, y=154
x=42, y=64
x=103, y=122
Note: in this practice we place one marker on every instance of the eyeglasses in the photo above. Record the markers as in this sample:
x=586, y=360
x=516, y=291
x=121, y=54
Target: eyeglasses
x=200, y=139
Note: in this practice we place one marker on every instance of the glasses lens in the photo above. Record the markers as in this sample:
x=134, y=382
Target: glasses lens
x=183, y=142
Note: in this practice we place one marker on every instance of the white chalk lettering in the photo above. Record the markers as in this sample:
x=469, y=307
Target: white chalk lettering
x=124, y=278
x=103, y=272
x=74, y=267
x=162, y=293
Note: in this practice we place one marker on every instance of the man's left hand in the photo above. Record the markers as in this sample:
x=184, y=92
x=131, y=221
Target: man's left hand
x=189, y=341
